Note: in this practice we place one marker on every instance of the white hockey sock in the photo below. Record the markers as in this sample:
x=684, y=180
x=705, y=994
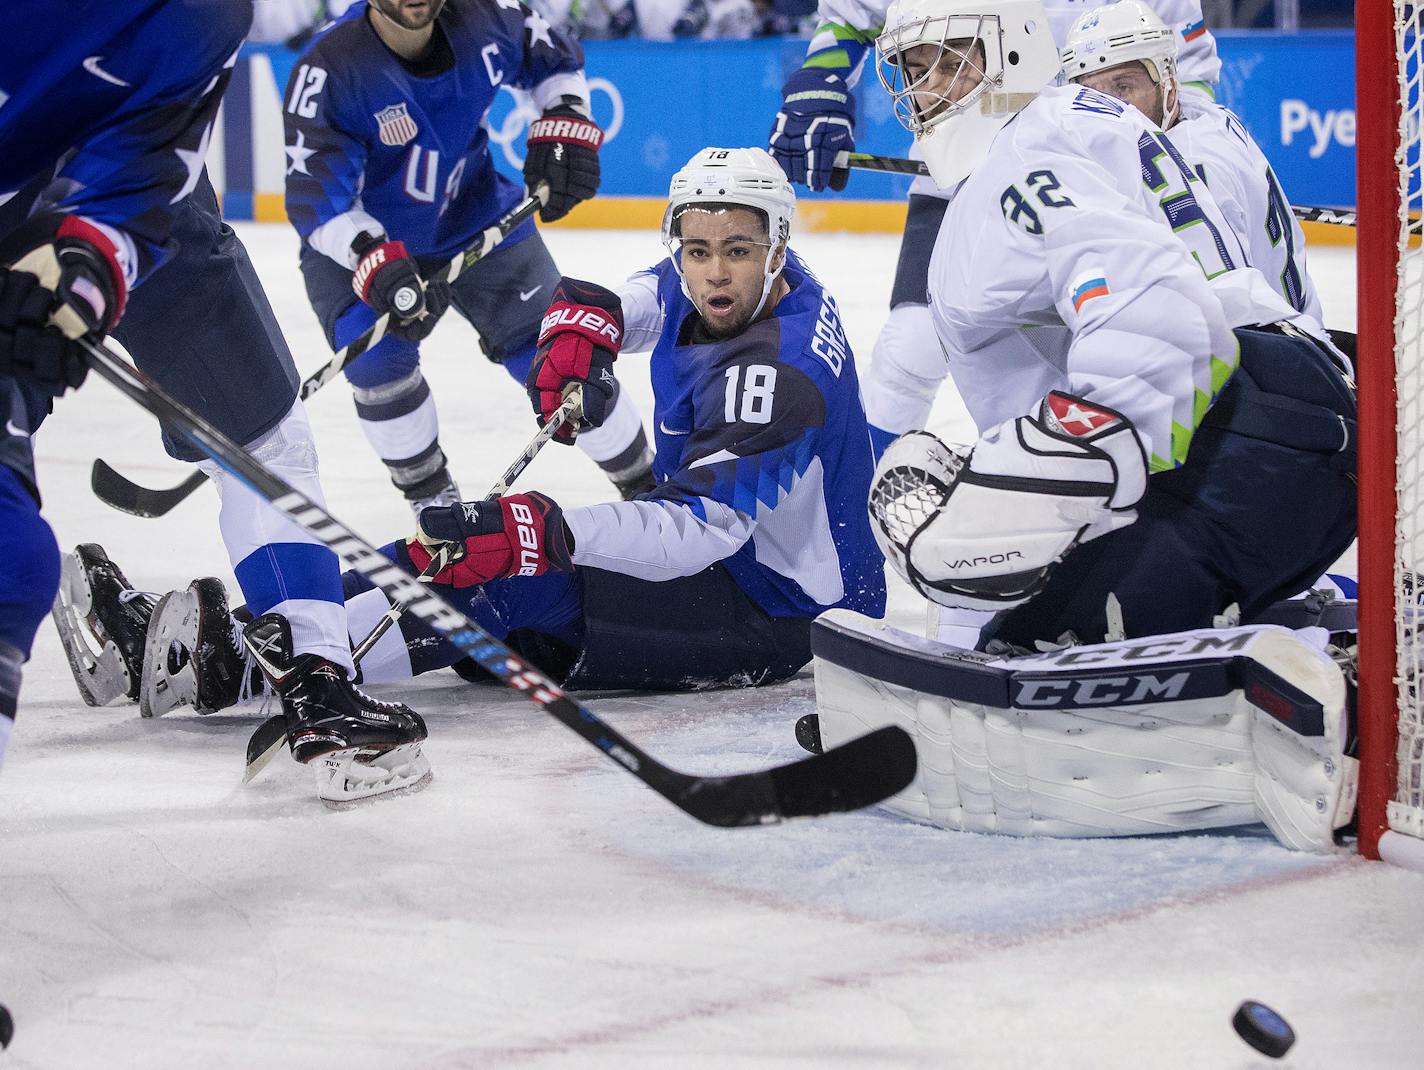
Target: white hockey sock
x=400, y=422
x=280, y=567
x=388, y=659
x=619, y=446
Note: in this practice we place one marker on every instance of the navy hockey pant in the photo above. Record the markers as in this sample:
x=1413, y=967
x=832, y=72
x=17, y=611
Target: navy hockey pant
x=1263, y=506
x=596, y=630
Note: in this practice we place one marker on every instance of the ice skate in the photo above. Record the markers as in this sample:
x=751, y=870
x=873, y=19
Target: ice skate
x=636, y=479
x=193, y=655
x=439, y=490
x=356, y=746
x=101, y=621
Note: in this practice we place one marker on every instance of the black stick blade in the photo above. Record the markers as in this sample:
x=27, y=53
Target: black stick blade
x=264, y=745
x=119, y=492
x=860, y=773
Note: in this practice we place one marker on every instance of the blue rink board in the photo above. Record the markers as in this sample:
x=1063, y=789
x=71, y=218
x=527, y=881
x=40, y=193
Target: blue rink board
x=661, y=102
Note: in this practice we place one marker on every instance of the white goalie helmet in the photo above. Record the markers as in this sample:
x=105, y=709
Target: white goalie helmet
x=1121, y=33
x=748, y=178
x=930, y=51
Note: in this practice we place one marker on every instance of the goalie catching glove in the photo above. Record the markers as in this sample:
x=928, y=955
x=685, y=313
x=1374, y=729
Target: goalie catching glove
x=517, y=535
x=983, y=530
x=578, y=342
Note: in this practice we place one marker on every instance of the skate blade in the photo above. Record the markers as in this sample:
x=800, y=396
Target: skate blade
x=175, y=620
x=264, y=745
x=346, y=777
x=101, y=675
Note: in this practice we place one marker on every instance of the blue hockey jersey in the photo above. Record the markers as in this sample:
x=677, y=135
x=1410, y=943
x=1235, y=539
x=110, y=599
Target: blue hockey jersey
x=124, y=94
x=379, y=144
x=762, y=456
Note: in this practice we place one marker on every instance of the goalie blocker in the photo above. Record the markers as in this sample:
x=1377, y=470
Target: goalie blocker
x=1194, y=730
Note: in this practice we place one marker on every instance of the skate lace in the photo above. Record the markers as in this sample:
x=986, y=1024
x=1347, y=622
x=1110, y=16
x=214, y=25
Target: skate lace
x=128, y=595
x=250, y=668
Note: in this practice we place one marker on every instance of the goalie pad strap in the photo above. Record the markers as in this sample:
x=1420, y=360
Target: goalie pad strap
x=1184, y=667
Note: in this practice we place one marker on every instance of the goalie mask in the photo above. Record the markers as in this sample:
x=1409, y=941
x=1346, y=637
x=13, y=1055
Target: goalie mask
x=745, y=178
x=1121, y=33
x=958, y=70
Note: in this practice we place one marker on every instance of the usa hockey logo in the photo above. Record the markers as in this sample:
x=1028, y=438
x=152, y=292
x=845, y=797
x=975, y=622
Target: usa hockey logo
x=397, y=128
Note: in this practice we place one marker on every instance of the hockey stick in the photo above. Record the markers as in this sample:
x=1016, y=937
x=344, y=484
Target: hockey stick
x=856, y=774
x=267, y=740
x=562, y=414
x=864, y=161
x=120, y=492
x=269, y=736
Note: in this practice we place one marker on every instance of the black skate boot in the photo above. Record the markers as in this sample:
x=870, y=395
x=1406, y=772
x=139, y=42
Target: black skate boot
x=357, y=745
x=193, y=654
x=101, y=621
x=633, y=478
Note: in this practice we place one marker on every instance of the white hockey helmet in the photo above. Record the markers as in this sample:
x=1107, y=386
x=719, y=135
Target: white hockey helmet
x=1020, y=60
x=1120, y=33
x=747, y=178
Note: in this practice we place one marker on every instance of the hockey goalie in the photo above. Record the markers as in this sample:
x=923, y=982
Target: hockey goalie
x=1165, y=447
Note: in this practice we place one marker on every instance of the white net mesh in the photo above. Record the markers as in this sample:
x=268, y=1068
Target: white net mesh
x=1406, y=812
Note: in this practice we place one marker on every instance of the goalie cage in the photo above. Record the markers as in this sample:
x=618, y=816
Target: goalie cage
x=1390, y=267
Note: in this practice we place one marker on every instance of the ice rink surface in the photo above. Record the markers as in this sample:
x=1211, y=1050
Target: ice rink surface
x=537, y=906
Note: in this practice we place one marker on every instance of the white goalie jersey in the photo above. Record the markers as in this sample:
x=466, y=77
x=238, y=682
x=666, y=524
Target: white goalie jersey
x=1086, y=255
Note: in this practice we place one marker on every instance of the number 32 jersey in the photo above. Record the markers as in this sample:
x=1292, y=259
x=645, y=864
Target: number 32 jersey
x=763, y=455
x=1085, y=216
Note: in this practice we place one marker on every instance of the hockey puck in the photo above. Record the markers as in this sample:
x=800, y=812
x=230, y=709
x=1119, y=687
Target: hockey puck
x=7, y=1027
x=1263, y=1029
x=808, y=733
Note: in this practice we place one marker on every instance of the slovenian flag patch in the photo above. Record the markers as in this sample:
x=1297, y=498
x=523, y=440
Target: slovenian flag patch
x=1193, y=30
x=1088, y=289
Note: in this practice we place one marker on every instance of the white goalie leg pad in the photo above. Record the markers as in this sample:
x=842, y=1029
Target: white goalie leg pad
x=1196, y=730
x=350, y=775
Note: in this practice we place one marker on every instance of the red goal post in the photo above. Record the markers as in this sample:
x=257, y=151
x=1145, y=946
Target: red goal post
x=1390, y=268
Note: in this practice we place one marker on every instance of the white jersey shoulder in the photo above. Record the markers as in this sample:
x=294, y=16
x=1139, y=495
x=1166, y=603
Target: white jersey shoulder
x=1084, y=217
x=1238, y=174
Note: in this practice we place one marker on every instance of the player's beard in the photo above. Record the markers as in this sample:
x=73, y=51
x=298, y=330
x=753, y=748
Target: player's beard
x=733, y=322
x=395, y=11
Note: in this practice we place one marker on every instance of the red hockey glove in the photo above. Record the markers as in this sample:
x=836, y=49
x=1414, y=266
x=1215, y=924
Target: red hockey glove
x=578, y=342
x=60, y=279
x=563, y=151
x=517, y=535
x=387, y=279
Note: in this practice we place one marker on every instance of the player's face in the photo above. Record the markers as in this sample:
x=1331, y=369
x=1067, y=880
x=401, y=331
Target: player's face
x=942, y=75
x=412, y=14
x=724, y=266
x=1130, y=83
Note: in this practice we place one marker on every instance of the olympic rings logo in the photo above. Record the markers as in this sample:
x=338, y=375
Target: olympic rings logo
x=509, y=134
